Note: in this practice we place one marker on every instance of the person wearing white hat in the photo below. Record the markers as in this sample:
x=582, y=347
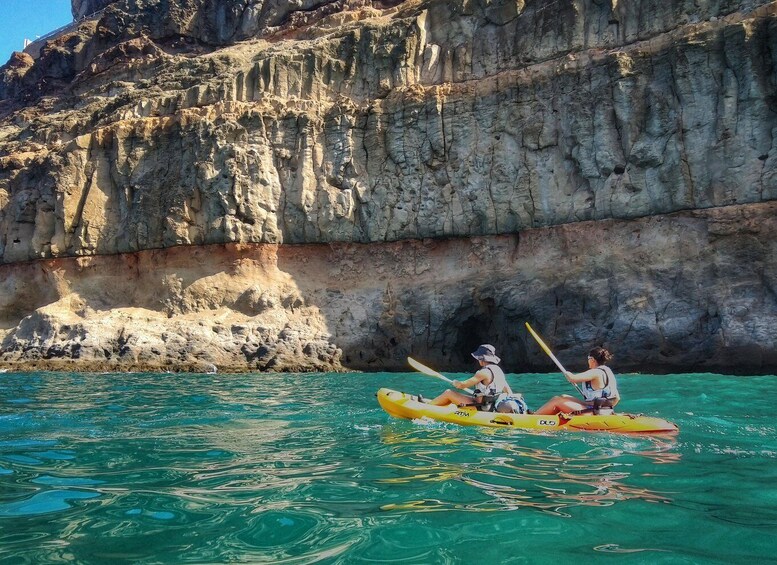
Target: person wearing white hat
x=491, y=389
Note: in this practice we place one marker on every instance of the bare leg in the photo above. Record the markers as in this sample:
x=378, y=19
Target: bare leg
x=558, y=404
x=451, y=397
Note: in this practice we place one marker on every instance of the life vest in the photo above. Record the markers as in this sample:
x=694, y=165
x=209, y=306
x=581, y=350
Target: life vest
x=488, y=395
x=610, y=389
x=497, y=384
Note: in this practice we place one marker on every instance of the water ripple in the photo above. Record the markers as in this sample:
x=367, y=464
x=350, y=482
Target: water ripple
x=202, y=469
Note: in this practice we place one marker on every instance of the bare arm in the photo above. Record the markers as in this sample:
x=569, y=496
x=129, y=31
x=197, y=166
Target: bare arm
x=590, y=375
x=478, y=377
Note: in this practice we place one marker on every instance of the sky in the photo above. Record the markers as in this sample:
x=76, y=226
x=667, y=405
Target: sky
x=20, y=19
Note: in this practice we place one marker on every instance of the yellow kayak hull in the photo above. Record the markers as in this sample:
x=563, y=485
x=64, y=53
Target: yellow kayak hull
x=402, y=405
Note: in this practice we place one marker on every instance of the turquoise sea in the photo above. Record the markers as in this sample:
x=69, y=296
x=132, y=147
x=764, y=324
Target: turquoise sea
x=187, y=468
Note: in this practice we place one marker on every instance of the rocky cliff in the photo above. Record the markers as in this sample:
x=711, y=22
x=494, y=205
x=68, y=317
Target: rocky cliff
x=318, y=184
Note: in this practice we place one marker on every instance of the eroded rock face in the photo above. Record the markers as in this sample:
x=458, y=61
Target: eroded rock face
x=190, y=123
x=389, y=125
x=692, y=291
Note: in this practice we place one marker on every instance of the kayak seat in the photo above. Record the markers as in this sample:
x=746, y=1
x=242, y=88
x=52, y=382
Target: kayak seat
x=487, y=403
x=601, y=407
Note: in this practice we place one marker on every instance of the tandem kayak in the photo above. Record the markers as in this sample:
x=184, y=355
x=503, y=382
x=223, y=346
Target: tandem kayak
x=402, y=405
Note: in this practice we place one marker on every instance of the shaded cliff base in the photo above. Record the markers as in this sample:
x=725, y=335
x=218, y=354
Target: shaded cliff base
x=691, y=291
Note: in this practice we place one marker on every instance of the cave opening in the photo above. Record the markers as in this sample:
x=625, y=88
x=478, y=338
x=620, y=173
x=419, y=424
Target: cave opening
x=472, y=332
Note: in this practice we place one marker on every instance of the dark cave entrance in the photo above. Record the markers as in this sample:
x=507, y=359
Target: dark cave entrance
x=472, y=332
x=505, y=333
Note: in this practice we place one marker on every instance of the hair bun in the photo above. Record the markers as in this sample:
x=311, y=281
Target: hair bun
x=600, y=355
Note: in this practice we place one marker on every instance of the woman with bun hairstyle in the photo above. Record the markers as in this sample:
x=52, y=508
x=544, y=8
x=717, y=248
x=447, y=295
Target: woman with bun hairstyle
x=599, y=388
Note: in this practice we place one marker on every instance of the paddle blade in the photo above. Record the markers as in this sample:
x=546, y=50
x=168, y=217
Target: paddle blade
x=421, y=368
x=538, y=339
x=545, y=348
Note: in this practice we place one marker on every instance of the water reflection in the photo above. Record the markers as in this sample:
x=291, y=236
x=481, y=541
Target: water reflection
x=523, y=470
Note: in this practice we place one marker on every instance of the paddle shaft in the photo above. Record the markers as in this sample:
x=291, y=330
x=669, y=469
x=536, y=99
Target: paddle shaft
x=547, y=350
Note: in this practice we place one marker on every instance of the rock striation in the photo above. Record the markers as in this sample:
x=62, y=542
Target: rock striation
x=284, y=167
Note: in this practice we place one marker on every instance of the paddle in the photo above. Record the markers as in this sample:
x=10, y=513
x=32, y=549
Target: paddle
x=421, y=368
x=550, y=354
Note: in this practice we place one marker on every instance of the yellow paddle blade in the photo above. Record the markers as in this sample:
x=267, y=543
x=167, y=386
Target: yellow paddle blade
x=539, y=340
x=545, y=348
